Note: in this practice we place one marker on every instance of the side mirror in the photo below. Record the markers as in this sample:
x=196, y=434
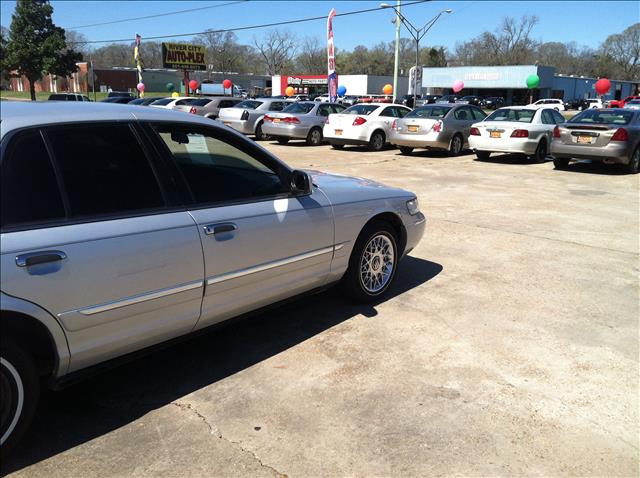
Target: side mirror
x=300, y=183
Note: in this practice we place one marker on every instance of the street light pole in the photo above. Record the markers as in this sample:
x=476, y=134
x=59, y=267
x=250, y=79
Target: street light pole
x=417, y=34
x=397, y=55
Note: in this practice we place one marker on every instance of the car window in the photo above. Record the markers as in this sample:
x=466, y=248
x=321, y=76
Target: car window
x=200, y=102
x=620, y=117
x=558, y=117
x=337, y=108
x=436, y=112
x=389, y=112
x=186, y=101
x=217, y=171
x=276, y=106
x=249, y=104
x=402, y=112
x=104, y=170
x=162, y=102
x=463, y=114
x=364, y=110
x=324, y=110
x=478, y=114
x=547, y=117
x=299, y=108
x=28, y=189
x=508, y=114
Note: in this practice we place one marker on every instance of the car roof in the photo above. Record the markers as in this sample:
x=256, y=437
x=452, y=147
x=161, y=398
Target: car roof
x=21, y=114
x=526, y=107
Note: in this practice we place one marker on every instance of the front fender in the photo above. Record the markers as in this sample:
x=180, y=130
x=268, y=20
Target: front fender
x=9, y=303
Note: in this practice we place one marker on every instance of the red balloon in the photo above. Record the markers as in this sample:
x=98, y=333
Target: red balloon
x=193, y=84
x=227, y=83
x=603, y=86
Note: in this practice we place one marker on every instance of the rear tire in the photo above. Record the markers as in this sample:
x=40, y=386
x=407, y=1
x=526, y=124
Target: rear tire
x=406, y=150
x=19, y=392
x=314, y=138
x=457, y=143
x=541, y=152
x=337, y=146
x=377, y=141
x=634, y=163
x=483, y=155
x=282, y=140
x=560, y=163
x=259, y=134
x=373, y=263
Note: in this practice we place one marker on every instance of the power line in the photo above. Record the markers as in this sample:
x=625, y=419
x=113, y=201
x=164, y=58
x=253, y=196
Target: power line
x=155, y=16
x=251, y=27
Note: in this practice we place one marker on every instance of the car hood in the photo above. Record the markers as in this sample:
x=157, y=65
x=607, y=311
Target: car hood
x=343, y=189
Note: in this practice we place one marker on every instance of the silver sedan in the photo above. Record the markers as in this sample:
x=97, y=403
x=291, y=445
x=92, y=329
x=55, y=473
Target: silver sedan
x=302, y=120
x=167, y=224
x=611, y=136
x=436, y=126
x=248, y=117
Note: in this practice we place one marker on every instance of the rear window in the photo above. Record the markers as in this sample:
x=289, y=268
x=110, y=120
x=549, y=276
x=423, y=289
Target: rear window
x=505, y=114
x=298, y=108
x=360, y=110
x=200, y=102
x=162, y=102
x=249, y=104
x=435, y=112
x=603, y=117
x=58, y=97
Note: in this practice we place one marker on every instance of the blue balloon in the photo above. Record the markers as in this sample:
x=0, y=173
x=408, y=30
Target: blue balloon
x=342, y=90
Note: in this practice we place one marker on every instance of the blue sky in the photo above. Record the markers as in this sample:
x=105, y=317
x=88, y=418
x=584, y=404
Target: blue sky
x=585, y=22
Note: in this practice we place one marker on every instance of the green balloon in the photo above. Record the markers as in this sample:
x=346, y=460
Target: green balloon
x=170, y=87
x=533, y=81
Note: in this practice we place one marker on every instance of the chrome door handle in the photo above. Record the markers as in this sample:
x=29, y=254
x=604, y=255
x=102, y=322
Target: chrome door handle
x=220, y=228
x=40, y=257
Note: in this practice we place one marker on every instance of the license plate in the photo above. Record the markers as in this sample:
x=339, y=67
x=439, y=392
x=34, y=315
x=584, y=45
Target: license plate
x=585, y=139
x=338, y=132
x=495, y=134
x=412, y=128
x=276, y=120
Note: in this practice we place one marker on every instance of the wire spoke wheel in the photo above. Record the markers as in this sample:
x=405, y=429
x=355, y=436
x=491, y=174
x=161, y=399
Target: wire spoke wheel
x=377, y=263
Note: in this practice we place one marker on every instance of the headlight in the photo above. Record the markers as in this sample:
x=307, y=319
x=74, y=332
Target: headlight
x=413, y=207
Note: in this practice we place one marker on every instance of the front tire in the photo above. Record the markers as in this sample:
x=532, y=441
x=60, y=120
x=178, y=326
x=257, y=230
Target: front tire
x=19, y=392
x=377, y=141
x=406, y=150
x=314, y=138
x=634, y=162
x=373, y=263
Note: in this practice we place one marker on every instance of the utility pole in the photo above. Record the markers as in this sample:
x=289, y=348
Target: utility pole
x=397, y=57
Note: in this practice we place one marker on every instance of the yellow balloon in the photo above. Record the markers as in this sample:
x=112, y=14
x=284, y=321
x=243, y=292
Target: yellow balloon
x=387, y=89
x=175, y=94
x=290, y=91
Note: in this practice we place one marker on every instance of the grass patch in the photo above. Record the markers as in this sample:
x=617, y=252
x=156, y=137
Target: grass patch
x=44, y=95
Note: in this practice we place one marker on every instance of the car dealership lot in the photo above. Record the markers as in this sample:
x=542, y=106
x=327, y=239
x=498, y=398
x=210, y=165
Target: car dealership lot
x=509, y=345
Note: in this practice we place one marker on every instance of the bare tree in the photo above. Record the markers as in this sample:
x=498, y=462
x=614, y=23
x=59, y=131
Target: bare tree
x=622, y=53
x=277, y=49
x=312, y=57
x=78, y=41
x=224, y=54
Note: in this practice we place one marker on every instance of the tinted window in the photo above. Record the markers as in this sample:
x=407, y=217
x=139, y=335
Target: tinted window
x=299, y=108
x=478, y=114
x=507, y=114
x=547, y=117
x=227, y=103
x=324, y=110
x=603, y=117
x=558, y=117
x=217, y=171
x=104, y=170
x=463, y=114
x=429, y=112
x=337, y=108
x=276, y=106
x=29, y=191
x=162, y=102
x=390, y=112
x=402, y=112
x=360, y=110
x=249, y=104
x=58, y=98
x=200, y=102
x=139, y=101
x=186, y=101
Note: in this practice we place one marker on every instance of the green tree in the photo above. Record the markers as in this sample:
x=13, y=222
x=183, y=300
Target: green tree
x=36, y=46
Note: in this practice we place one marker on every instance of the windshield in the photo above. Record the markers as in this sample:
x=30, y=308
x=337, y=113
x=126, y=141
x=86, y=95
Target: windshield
x=298, y=108
x=360, y=110
x=505, y=114
x=603, y=117
x=435, y=112
x=162, y=102
x=249, y=104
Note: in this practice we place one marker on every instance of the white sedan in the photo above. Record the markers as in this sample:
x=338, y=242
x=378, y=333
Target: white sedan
x=171, y=102
x=556, y=104
x=363, y=124
x=516, y=129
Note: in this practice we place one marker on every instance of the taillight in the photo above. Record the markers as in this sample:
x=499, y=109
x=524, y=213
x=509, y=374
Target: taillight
x=520, y=133
x=193, y=110
x=394, y=125
x=556, y=132
x=358, y=121
x=437, y=127
x=474, y=132
x=268, y=119
x=291, y=119
x=621, y=134
x=245, y=115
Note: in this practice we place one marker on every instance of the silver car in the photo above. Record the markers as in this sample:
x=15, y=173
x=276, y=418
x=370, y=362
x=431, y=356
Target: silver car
x=611, y=136
x=166, y=224
x=209, y=107
x=247, y=117
x=436, y=126
x=302, y=120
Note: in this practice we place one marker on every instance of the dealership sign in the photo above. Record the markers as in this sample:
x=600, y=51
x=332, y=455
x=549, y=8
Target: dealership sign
x=293, y=80
x=482, y=76
x=183, y=56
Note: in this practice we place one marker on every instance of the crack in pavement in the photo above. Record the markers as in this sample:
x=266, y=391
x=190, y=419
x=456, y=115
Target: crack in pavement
x=216, y=431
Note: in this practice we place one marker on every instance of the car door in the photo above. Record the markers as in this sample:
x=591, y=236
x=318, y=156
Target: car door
x=322, y=113
x=463, y=120
x=89, y=234
x=387, y=117
x=261, y=243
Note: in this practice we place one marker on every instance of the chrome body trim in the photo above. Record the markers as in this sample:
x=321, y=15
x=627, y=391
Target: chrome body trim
x=139, y=298
x=269, y=265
